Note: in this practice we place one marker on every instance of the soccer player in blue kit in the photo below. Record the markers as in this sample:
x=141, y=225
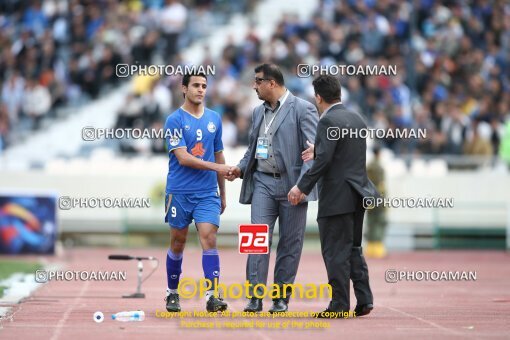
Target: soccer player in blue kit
x=196, y=171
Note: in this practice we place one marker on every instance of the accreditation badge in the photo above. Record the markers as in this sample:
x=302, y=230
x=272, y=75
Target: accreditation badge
x=262, y=151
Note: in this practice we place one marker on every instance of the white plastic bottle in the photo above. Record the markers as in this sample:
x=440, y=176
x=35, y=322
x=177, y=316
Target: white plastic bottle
x=136, y=315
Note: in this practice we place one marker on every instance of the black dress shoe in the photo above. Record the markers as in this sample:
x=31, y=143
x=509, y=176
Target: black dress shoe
x=255, y=305
x=361, y=310
x=279, y=306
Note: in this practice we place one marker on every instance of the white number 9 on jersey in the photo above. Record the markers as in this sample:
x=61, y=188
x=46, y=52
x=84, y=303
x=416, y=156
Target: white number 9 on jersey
x=199, y=134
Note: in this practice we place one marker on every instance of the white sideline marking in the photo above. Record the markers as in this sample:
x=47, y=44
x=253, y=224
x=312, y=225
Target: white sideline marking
x=63, y=320
x=433, y=324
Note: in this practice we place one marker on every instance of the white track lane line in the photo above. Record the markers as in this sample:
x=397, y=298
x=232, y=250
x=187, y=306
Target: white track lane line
x=433, y=324
x=63, y=320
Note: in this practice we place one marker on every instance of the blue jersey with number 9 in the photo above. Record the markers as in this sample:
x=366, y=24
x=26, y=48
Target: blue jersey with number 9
x=202, y=138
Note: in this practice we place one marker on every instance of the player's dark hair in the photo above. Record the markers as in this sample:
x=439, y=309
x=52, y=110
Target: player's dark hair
x=271, y=71
x=328, y=87
x=187, y=76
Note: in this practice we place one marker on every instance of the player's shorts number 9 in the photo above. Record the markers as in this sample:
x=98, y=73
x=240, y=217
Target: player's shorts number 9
x=174, y=212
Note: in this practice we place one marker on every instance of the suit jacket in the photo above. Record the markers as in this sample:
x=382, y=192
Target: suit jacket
x=295, y=123
x=339, y=165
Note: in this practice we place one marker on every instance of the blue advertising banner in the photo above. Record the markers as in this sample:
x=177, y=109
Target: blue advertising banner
x=28, y=223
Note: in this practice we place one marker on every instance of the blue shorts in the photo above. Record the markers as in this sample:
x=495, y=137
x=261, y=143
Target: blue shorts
x=181, y=209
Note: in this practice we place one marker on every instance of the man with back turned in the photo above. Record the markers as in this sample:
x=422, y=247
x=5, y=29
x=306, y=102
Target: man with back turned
x=339, y=168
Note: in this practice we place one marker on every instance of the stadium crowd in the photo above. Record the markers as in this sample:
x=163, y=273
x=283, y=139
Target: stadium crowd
x=61, y=53
x=453, y=61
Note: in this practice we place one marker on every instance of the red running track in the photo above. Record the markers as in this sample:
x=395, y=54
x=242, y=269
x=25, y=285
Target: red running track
x=418, y=309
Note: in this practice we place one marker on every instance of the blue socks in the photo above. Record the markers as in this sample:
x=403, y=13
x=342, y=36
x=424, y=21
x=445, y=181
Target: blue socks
x=173, y=269
x=211, y=265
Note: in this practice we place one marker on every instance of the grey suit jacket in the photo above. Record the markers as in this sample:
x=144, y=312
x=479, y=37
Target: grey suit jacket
x=293, y=126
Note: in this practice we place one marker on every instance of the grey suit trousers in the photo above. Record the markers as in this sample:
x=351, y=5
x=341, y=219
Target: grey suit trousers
x=269, y=203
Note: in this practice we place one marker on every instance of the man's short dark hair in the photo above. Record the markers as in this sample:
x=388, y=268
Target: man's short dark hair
x=187, y=76
x=328, y=87
x=271, y=71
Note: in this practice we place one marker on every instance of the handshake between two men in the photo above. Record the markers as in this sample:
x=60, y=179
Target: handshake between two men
x=295, y=196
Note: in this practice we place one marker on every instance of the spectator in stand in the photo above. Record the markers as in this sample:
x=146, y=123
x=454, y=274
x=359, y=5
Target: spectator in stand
x=35, y=19
x=4, y=127
x=454, y=126
x=172, y=22
x=478, y=145
x=453, y=61
x=12, y=96
x=36, y=102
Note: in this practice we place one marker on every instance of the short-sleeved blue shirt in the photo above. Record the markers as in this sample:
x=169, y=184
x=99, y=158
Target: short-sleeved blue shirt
x=202, y=138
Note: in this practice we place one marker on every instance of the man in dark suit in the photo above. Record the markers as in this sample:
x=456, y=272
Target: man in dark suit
x=339, y=167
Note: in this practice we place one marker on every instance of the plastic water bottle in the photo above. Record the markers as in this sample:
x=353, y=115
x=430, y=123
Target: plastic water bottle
x=136, y=315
